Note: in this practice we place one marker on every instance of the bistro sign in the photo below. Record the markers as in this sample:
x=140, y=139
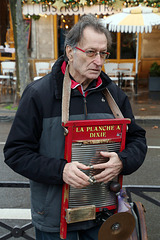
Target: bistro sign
x=52, y=10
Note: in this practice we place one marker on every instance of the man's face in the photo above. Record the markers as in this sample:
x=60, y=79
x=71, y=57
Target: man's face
x=85, y=68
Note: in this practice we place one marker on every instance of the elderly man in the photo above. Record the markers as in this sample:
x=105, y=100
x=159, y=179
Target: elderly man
x=35, y=145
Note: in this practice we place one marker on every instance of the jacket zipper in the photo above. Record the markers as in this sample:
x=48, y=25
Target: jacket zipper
x=85, y=106
x=85, y=102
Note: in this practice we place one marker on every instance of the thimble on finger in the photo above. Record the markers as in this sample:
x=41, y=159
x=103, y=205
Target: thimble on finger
x=91, y=166
x=91, y=180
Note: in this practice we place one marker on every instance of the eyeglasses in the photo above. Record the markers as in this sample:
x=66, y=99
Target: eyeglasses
x=93, y=53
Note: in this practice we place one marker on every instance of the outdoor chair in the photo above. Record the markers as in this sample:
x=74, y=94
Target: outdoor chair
x=8, y=67
x=42, y=68
x=110, y=70
x=8, y=77
x=128, y=75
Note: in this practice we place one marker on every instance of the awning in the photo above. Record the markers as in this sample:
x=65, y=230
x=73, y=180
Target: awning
x=43, y=9
x=134, y=19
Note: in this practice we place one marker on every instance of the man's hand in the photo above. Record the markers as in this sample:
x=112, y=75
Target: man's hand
x=110, y=169
x=73, y=175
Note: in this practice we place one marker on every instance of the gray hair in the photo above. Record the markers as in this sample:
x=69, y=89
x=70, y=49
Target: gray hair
x=76, y=33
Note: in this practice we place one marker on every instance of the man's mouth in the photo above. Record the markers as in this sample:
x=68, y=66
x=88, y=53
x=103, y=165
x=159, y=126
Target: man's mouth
x=95, y=70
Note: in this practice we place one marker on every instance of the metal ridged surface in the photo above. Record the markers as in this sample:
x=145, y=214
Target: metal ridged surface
x=96, y=194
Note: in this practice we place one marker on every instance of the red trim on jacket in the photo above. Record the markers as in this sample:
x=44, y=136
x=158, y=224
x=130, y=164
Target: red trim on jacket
x=74, y=84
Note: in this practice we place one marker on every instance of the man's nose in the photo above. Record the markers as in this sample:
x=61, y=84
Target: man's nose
x=98, y=60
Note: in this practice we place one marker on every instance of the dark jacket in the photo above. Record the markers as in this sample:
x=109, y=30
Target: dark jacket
x=35, y=145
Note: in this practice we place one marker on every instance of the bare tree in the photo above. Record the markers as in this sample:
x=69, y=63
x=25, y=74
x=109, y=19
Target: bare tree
x=22, y=69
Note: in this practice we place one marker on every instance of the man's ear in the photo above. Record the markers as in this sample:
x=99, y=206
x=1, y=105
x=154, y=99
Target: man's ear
x=69, y=53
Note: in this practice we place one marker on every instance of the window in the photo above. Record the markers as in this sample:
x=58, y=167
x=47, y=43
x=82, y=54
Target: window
x=65, y=23
x=128, y=45
x=113, y=50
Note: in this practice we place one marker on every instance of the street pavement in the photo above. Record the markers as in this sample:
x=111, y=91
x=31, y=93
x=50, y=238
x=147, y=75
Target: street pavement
x=146, y=108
